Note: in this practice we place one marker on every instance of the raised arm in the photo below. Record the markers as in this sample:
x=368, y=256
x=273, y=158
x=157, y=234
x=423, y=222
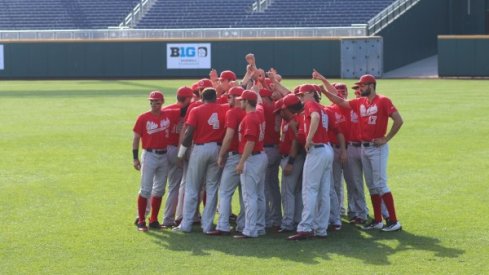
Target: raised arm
x=330, y=91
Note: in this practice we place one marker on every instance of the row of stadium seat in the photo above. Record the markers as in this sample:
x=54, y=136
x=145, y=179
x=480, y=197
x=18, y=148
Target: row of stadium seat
x=175, y=14
x=63, y=14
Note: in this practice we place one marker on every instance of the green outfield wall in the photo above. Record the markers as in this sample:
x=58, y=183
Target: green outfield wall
x=460, y=56
x=149, y=59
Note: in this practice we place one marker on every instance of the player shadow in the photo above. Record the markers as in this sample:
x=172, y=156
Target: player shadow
x=349, y=242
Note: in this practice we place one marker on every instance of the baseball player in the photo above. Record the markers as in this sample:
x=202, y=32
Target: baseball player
x=374, y=110
x=153, y=129
x=337, y=139
x=353, y=171
x=273, y=214
x=316, y=179
x=175, y=172
x=205, y=127
x=200, y=86
x=222, y=84
x=293, y=156
x=228, y=160
x=252, y=165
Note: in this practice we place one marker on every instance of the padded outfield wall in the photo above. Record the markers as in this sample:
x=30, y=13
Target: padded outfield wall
x=463, y=56
x=175, y=59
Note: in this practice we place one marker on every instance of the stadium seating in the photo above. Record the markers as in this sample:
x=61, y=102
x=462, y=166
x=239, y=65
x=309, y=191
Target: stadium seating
x=185, y=14
x=172, y=14
x=63, y=14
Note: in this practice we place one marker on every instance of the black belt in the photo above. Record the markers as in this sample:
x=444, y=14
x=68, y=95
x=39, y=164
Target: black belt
x=337, y=146
x=255, y=153
x=355, y=144
x=156, y=151
x=318, y=146
x=269, y=145
x=218, y=143
x=233, y=153
x=367, y=144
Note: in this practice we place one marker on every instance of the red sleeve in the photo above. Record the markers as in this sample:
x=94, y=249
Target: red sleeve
x=389, y=107
x=232, y=120
x=354, y=104
x=139, y=126
x=192, y=118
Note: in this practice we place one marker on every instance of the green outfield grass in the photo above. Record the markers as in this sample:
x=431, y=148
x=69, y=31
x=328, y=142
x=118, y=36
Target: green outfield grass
x=68, y=189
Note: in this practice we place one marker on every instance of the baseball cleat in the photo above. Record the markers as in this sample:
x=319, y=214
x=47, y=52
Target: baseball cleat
x=155, y=225
x=373, y=225
x=300, y=236
x=284, y=230
x=334, y=227
x=217, y=233
x=392, y=226
x=241, y=237
x=168, y=226
x=142, y=227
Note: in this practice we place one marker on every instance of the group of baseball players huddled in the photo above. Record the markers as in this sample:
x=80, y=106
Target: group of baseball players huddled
x=224, y=135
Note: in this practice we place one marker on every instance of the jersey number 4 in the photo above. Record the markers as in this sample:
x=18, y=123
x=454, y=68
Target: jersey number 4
x=213, y=121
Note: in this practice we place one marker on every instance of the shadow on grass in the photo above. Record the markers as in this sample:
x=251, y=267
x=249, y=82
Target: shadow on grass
x=349, y=242
x=95, y=88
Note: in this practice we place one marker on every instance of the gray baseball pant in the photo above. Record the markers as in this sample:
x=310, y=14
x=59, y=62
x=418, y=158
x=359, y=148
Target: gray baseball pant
x=202, y=164
x=316, y=183
x=253, y=186
x=291, y=192
x=273, y=214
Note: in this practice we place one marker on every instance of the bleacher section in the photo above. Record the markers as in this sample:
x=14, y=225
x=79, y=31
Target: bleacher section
x=63, y=14
x=176, y=14
x=189, y=14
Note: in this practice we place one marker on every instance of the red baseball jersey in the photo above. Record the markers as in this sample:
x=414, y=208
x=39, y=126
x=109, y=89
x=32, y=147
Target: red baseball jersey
x=321, y=135
x=341, y=121
x=355, y=132
x=234, y=116
x=176, y=122
x=252, y=128
x=374, y=115
x=191, y=106
x=288, y=135
x=208, y=120
x=153, y=129
x=272, y=126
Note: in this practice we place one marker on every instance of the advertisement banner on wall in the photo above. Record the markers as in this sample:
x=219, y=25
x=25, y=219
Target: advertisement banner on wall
x=1, y=57
x=188, y=56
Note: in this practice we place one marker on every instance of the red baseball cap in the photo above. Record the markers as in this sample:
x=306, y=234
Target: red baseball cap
x=306, y=88
x=366, y=79
x=296, y=89
x=229, y=75
x=195, y=86
x=185, y=91
x=290, y=100
x=340, y=87
x=155, y=95
x=278, y=105
x=205, y=83
x=265, y=92
x=237, y=91
x=248, y=95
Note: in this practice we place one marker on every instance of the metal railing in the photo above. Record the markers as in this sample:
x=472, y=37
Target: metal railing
x=389, y=14
x=224, y=33
x=137, y=13
x=260, y=5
